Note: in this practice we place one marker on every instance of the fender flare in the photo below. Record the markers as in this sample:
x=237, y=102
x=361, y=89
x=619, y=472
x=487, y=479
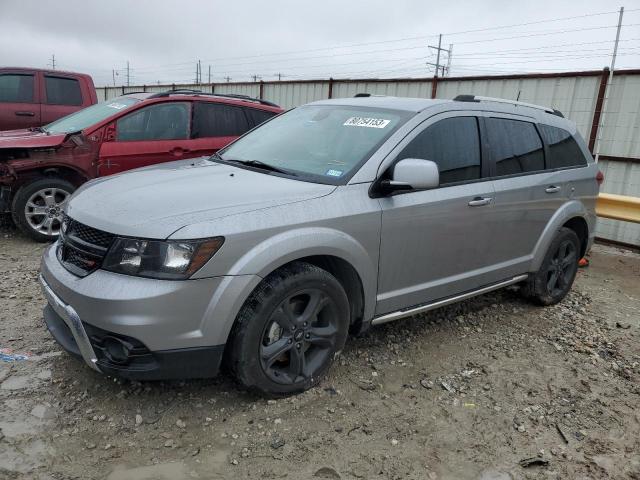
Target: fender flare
x=565, y=213
x=283, y=248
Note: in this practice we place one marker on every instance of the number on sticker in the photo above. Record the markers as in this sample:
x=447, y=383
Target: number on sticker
x=366, y=122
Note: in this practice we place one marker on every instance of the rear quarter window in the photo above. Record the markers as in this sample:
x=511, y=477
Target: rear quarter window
x=564, y=151
x=62, y=91
x=515, y=146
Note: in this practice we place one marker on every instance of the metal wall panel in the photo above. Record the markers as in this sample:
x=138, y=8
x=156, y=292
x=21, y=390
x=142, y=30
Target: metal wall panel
x=289, y=95
x=419, y=89
x=622, y=178
x=621, y=131
x=575, y=97
x=250, y=89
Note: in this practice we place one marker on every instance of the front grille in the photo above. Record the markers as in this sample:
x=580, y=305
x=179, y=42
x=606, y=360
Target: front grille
x=81, y=248
x=86, y=233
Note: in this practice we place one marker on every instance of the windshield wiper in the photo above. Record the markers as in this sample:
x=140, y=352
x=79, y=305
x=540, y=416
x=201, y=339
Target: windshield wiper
x=260, y=165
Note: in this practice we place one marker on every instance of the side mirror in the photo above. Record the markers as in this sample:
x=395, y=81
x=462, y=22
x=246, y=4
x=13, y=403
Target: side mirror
x=109, y=133
x=413, y=174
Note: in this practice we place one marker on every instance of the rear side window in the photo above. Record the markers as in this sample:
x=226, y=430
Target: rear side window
x=218, y=120
x=515, y=146
x=16, y=88
x=563, y=149
x=452, y=143
x=62, y=91
x=164, y=121
x=256, y=117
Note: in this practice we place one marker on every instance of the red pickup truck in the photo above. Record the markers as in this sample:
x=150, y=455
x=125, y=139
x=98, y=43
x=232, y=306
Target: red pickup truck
x=32, y=97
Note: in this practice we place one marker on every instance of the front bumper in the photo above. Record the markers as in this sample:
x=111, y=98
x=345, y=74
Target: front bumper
x=87, y=342
x=174, y=329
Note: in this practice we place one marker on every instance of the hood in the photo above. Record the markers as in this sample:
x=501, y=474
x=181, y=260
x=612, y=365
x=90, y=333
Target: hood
x=30, y=139
x=154, y=202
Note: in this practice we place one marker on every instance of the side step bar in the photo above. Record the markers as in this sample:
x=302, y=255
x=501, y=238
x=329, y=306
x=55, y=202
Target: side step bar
x=398, y=314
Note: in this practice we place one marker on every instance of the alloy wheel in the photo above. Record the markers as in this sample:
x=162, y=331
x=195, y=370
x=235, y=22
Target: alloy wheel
x=299, y=337
x=43, y=210
x=560, y=271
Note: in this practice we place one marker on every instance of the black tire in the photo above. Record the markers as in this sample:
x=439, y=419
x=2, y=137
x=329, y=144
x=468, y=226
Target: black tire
x=278, y=353
x=551, y=283
x=27, y=221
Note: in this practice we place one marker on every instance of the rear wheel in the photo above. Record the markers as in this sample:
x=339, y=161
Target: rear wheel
x=37, y=207
x=289, y=331
x=551, y=283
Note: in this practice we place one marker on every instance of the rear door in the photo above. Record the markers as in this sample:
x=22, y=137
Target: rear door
x=433, y=242
x=61, y=95
x=153, y=134
x=527, y=194
x=19, y=100
x=215, y=125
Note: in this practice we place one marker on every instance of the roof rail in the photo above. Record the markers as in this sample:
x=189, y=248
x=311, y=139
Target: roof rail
x=478, y=98
x=187, y=91
x=132, y=93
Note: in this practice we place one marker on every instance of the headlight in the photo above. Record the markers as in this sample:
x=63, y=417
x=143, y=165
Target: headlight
x=171, y=259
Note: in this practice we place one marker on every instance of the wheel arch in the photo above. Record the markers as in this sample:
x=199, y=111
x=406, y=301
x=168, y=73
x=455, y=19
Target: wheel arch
x=573, y=215
x=338, y=253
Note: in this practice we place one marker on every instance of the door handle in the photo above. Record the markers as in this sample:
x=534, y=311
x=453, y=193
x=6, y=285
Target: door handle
x=179, y=151
x=552, y=189
x=480, y=201
x=25, y=114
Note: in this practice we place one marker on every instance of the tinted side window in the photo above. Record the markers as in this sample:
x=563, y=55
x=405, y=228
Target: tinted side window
x=515, y=146
x=256, y=117
x=454, y=144
x=563, y=148
x=218, y=120
x=16, y=88
x=62, y=91
x=164, y=121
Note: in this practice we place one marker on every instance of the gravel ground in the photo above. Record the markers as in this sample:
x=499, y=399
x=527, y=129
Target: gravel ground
x=492, y=388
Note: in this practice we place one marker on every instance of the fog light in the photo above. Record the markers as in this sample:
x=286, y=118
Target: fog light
x=116, y=350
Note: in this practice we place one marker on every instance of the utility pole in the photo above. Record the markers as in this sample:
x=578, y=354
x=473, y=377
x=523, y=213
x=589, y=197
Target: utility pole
x=256, y=77
x=227, y=78
x=608, y=86
x=128, y=74
x=199, y=72
x=209, y=78
x=279, y=75
x=449, y=55
x=113, y=74
x=53, y=61
x=439, y=49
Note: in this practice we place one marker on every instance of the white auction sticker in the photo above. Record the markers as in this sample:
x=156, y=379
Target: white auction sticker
x=366, y=122
x=117, y=106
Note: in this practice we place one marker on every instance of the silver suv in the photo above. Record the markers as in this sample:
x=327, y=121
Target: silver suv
x=326, y=220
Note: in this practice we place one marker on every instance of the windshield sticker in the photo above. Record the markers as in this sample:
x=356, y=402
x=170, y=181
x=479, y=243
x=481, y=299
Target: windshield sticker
x=334, y=173
x=117, y=106
x=366, y=122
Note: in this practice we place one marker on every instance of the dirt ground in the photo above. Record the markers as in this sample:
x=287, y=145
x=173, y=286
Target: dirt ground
x=465, y=392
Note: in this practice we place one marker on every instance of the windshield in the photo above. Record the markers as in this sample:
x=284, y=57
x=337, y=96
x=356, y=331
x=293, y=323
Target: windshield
x=89, y=116
x=320, y=143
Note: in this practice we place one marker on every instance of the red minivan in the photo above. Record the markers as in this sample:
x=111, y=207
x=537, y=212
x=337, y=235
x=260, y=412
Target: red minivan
x=41, y=166
x=31, y=97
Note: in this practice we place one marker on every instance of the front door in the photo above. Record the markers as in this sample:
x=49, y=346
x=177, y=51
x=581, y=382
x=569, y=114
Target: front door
x=154, y=134
x=433, y=242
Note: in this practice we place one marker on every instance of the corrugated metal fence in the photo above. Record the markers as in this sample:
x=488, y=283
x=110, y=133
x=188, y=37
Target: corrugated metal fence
x=578, y=95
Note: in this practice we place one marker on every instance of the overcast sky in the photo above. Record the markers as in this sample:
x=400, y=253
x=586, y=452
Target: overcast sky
x=162, y=40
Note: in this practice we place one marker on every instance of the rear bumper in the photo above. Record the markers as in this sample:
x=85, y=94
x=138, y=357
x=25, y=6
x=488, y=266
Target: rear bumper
x=87, y=343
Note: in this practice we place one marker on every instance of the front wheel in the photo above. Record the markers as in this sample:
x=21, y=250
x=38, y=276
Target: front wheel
x=289, y=330
x=551, y=283
x=37, y=207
